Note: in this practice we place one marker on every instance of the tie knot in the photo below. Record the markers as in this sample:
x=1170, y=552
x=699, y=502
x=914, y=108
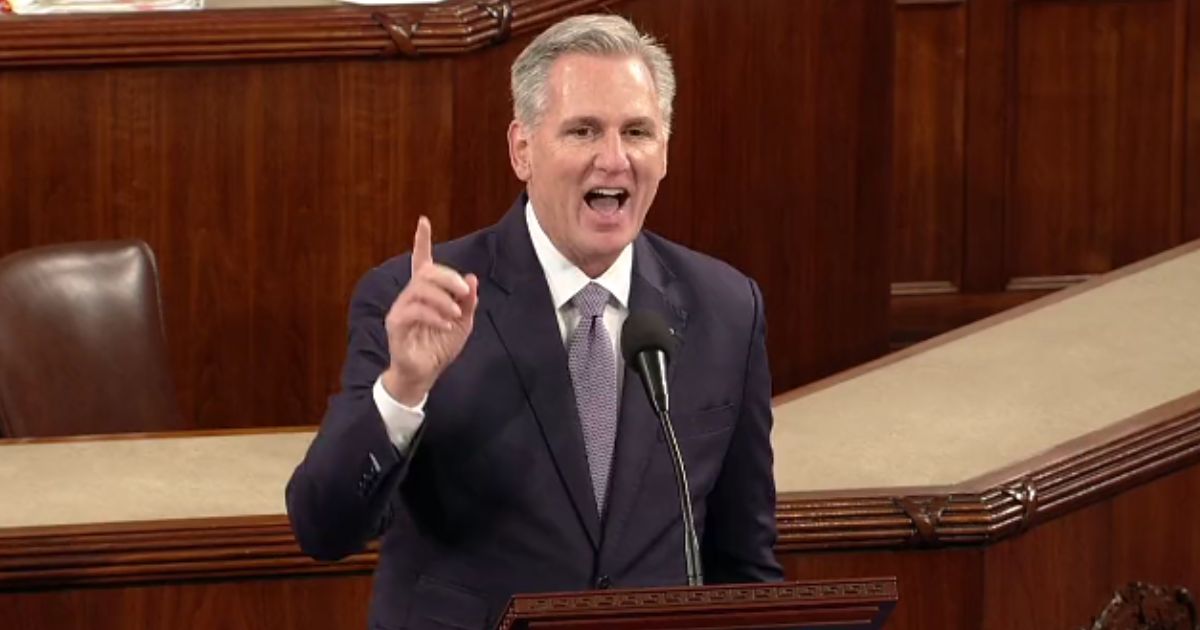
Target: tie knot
x=591, y=300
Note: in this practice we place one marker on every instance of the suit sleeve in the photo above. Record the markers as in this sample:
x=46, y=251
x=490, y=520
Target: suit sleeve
x=740, y=532
x=339, y=497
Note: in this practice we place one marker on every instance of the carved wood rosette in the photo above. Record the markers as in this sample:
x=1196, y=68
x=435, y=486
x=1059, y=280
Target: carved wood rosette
x=1140, y=606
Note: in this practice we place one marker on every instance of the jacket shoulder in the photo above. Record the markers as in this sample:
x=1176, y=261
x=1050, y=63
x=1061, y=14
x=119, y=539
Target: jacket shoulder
x=712, y=278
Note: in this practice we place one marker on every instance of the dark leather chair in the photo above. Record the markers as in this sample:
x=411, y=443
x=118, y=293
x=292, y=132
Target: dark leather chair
x=82, y=347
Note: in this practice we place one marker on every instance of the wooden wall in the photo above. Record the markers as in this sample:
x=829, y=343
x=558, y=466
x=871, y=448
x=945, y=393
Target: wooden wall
x=268, y=187
x=1037, y=142
x=313, y=603
x=1059, y=574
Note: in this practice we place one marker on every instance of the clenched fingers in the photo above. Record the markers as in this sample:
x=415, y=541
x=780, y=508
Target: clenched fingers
x=443, y=297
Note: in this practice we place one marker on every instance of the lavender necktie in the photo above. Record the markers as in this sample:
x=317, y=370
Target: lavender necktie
x=594, y=375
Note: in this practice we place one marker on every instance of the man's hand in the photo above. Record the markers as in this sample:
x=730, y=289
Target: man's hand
x=428, y=323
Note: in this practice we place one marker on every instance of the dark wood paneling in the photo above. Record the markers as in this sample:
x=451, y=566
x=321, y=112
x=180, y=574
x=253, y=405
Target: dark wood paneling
x=1055, y=576
x=1059, y=574
x=482, y=112
x=265, y=190
x=676, y=213
x=988, y=25
x=915, y=318
x=1191, y=156
x=930, y=93
x=773, y=197
x=338, y=603
x=1080, y=149
x=1093, y=135
x=938, y=588
x=1154, y=510
x=1062, y=574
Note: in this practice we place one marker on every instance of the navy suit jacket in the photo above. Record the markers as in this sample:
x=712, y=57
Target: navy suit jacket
x=494, y=497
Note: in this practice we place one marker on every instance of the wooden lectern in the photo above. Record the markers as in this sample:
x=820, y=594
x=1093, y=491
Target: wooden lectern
x=827, y=604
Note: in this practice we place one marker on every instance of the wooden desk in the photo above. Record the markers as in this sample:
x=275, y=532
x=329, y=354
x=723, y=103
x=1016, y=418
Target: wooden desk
x=1070, y=497
x=161, y=531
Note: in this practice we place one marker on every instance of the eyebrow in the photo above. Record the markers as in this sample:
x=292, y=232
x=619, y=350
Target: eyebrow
x=590, y=121
x=596, y=122
x=643, y=121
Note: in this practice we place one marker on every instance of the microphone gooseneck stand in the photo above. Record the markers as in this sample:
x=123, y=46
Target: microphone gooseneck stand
x=653, y=362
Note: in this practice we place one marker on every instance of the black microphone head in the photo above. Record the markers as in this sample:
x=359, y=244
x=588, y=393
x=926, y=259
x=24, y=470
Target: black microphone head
x=645, y=330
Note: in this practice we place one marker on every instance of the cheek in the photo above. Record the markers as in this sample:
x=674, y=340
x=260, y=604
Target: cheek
x=652, y=165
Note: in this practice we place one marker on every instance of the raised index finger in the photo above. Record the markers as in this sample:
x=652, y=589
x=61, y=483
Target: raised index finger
x=422, y=253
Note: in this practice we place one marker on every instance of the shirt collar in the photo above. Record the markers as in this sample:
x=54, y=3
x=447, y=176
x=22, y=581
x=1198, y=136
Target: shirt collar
x=565, y=279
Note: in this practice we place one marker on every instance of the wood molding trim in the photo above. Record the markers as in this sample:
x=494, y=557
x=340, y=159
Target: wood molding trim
x=857, y=600
x=918, y=317
x=1191, y=130
x=457, y=27
x=1046, y=283
x=996, y=506
x=931, y=287
x=160, y=551
x=977, y=512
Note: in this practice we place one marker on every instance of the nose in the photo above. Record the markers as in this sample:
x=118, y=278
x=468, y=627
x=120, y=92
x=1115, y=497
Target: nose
x=611, y=155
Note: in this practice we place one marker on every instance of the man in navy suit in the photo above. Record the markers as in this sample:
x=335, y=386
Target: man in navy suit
x=487, y=428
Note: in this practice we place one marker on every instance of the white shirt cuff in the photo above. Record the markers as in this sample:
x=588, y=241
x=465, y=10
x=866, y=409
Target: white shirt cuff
x=401, y=420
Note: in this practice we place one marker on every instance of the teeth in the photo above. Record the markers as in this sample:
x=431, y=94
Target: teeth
x=610, y=192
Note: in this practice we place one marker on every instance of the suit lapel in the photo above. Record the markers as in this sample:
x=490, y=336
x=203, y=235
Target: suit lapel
x=524, y=318
x=651, y=289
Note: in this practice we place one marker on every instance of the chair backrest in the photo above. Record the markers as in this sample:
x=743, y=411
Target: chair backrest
x=82, y=342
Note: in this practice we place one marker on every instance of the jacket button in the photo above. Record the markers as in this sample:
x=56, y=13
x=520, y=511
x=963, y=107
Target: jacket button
x=603, y=582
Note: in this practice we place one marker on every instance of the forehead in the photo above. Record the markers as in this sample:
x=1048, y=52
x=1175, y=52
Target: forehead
x=588, y=84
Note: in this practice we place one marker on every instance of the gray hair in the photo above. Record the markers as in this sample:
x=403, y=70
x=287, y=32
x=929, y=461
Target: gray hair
x=600, y=35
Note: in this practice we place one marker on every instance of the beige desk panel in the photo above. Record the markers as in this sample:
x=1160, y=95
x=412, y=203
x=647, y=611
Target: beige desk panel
x=1004, y=394
x=108, y=481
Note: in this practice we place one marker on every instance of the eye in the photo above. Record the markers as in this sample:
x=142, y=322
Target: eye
x=639, y=132
x=581, y=132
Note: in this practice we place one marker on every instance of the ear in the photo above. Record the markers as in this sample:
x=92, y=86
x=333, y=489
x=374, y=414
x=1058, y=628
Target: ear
x=518, y=150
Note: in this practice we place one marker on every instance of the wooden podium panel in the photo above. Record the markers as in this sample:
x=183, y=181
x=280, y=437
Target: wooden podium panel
x=854, y=604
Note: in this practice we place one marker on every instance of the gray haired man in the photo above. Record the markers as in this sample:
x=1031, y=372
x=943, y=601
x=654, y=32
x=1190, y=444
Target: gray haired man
x=487, y=428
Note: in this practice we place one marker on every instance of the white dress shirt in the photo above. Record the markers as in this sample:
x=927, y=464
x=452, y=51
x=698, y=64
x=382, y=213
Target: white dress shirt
x=564, y=280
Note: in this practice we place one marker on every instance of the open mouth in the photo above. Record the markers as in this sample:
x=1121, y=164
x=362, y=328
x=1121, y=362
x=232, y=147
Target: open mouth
x=606, y=199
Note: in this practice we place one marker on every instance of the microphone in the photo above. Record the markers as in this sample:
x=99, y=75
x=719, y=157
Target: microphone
x=647, y=345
